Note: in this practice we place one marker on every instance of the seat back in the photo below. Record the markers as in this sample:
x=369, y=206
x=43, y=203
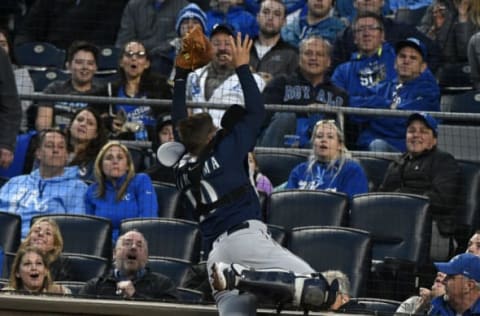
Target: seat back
x=167, y=237
x=462, y=141
x=295, y=208
x=278, y=233
x=84, y=234
x=277, y=166
x=40, y=54
x=10, y=232
x=400, y=224
x=468, y=102
x=454, y=78
x=108, y=58
x=43, y=77
x=468, y=212
x=168, y=198
x=82, y=267
x=176, y=269
x=375, y=169
x=7, y=264
x=335, y=248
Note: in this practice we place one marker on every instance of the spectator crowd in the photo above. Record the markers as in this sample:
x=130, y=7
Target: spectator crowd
x=90, y=158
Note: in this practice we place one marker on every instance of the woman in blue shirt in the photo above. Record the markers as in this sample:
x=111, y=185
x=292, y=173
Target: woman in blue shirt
x=118, y=192
x=329, y=166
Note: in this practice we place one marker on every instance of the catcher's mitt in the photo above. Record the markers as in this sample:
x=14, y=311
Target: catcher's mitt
x=196, y=50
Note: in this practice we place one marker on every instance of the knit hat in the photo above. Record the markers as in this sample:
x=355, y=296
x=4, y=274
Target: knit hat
x=191, y=11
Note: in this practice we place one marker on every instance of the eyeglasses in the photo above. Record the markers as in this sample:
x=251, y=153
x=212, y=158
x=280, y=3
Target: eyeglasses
x=139, y=54
x=369, y=28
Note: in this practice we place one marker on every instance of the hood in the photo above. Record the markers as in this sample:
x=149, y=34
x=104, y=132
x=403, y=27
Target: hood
x=70, y=173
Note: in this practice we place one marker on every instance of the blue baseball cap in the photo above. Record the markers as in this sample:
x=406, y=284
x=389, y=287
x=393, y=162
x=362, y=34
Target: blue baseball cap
x=222, y=28
x=414, y=43
x=465, y=264
x=425, y=118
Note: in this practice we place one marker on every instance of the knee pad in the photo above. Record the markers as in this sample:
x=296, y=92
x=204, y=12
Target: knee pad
x=315, y=293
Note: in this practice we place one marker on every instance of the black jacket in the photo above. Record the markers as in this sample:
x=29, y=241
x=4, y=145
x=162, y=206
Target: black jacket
x=150, y=286
x=435, y=174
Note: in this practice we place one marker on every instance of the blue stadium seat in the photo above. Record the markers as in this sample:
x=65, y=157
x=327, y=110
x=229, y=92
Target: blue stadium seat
x=40, y=54
x=43, y=77
x=176, y=269
x=108, y=58
x=168, y=198
x=167, y=237
x=277, y=166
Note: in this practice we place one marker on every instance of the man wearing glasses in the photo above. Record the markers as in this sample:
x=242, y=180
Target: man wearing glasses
x=368, y=74
x=462, y=286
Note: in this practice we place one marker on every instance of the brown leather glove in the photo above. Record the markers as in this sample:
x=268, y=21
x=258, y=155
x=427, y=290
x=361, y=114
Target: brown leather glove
x=196, y=50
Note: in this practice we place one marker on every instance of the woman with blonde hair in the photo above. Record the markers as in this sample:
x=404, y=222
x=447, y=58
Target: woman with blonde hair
x=330, y=166
x=30, y=273
x=118, y=192
x=46, y=236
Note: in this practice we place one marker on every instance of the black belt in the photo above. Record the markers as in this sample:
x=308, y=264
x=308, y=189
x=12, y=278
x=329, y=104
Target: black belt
x=238, y=227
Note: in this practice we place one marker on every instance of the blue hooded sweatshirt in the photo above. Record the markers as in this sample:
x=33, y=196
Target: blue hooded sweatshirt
x=140, y=200
x=351, y=179
x=419, y=94
x=367, y=79
x=31, y=195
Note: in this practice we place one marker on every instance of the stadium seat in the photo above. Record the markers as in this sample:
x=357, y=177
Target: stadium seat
x=278, y=233
x=40, y=54
x=277, y=166
x=84, y=234
x=468, y=102
x=175, y=269
x=454, y=78
x=295, y=208
x=85, y=267
x=167, y=237
x=468, y=213
x=375, y=168
x=108, y=58
x=400, y=226
x=3, y=180
x=7, y=264
x=43, y=77
x=10, y=231
x=336, y=248
x=168, y=198
x=461, y=141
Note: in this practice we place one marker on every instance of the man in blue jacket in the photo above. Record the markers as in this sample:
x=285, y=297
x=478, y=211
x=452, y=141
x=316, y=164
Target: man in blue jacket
x=415, y=89
x=368, y=75
x=50, y=189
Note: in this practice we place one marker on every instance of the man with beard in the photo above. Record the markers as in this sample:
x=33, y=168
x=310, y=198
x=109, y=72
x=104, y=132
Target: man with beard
x=82, y=63
x=314, y=19
x=129, y=277
x=217, y=82
x=270, y=54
